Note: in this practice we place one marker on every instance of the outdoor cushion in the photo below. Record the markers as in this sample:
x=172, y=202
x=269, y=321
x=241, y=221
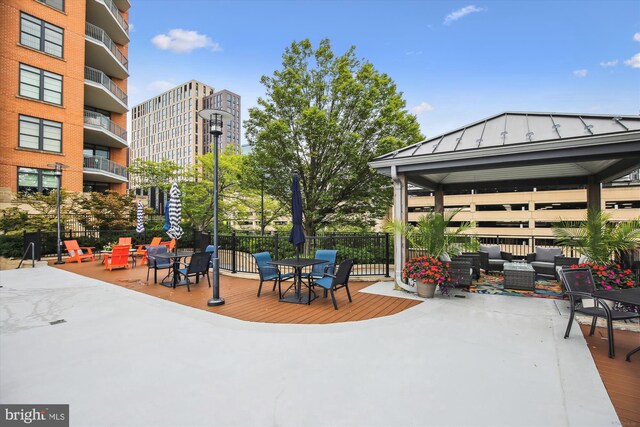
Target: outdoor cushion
x=541, y=264
x=547, y=254
x=493, y=251
x=497, y=261
x=445, y=257
x=583, y=259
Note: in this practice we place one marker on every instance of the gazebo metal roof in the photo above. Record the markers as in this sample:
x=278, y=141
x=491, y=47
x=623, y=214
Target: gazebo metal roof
x=515, y=148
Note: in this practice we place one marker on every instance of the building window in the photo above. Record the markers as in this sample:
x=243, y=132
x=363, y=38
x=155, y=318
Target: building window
x=36, y=180
x=40, y=84
x=95, y=187
x=40, y=134
x=41, y=35
x=91, y=150
x=56, y=4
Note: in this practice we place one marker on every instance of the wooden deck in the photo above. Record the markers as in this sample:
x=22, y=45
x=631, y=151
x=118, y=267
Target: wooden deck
x=241, y=297
x=621, y=378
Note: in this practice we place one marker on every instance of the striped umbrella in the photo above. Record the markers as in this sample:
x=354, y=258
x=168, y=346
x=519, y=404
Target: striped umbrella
x=140, y=218
x=175, y=213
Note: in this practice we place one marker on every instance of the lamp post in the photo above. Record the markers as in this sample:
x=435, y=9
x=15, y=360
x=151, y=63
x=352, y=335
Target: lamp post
x=57, y=172
x=216, y=122
x=262, y=225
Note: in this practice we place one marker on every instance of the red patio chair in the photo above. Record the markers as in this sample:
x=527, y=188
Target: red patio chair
x=77, y=253
x=119, y=258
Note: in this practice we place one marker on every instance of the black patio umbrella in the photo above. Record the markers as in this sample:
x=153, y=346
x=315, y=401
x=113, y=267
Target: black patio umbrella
x=297, y=232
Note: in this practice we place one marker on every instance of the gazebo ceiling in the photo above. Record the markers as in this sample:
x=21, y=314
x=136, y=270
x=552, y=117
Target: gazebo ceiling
x=522, y=148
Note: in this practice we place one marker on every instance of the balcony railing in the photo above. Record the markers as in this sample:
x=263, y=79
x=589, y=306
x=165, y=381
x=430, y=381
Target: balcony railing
x=105, y=165
x=96, y=33
x=98, y=76
x=96, y=119
x=116, y=14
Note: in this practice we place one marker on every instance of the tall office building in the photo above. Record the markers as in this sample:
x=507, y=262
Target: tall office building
x=64, y=73
x=230, y=102
x=167, y=126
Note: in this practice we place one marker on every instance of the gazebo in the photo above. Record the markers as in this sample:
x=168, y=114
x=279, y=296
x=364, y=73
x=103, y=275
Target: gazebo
x=514, y=149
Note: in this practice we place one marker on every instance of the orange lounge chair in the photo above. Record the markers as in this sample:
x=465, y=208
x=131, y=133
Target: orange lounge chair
x=124, y=241
x=119, y=258
x=170, y=245
x=142, y=252
x=77, y=253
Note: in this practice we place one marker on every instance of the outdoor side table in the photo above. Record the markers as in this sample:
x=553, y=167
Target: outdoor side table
x=298, y=264
x=520, y=276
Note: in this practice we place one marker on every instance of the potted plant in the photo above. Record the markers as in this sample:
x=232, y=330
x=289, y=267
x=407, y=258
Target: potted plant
x=427, y=272
x=597, y=237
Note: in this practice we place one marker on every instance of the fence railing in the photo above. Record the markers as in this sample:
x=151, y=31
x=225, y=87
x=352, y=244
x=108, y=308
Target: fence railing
x=104, y=164
x=97, y=33
x=101, y=78
x=92, y=118
x=116, y=14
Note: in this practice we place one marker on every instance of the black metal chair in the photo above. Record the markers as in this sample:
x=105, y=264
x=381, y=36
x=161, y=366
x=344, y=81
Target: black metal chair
x=156, y=264
x=198, y=264
x=331, y=283
x=580, y=285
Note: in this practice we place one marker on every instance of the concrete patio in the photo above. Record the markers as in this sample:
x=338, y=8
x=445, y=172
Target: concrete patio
x=125, y=358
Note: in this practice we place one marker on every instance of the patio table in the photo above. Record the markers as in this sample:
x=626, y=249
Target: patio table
x=519, y=275
x=298, y=264
x=174, y=272
x=626, y=296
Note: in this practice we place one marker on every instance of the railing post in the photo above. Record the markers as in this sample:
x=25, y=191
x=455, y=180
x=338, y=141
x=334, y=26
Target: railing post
x=387, y=249
x=275, y=245
x=233, y=251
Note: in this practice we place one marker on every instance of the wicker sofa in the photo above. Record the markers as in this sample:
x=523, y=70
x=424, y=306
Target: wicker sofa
x=493, y=259
x=547, y=261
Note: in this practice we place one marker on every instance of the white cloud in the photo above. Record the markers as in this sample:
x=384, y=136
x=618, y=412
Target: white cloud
x=423, y=107
x=131, y=27
x=636, y=37
x=609, y=64
x=184, y=41
x=581, y=73
x=160, y=86
x=634, y=61
x=413, y=52
x=457, y=14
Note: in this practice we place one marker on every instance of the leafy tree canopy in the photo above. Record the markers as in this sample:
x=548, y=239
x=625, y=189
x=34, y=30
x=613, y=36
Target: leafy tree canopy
x=148, y=174
x=327, y=116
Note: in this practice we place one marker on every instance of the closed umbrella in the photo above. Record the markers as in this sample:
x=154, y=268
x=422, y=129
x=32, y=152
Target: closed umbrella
x=297, y=232
x=140, y=218
x=167, y=223
x=175, y=213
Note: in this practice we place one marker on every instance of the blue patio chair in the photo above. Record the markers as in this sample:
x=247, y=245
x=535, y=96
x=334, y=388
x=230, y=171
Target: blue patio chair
x=269, y=272
x=320, y=269
x=331, y=283
x=156, y=264
x=209, y=250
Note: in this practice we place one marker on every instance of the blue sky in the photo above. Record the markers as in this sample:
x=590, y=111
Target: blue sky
x=455, y=61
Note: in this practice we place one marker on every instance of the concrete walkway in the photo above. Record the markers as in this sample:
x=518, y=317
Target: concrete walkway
x=124, y=358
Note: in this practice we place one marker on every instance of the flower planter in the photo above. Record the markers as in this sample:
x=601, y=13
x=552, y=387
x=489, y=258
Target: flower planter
x=426, y=290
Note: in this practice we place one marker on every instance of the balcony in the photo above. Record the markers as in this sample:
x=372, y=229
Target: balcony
x=101, y=53
x=100, y=130
x=103, y=170
x=101, y=92
x=105, y=14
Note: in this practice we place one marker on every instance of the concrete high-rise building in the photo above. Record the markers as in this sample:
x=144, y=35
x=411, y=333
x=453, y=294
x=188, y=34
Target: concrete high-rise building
x=167, y=126
x=230, y=102
x=64, y=73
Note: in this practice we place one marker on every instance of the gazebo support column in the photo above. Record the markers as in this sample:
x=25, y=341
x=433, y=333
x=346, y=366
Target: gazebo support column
x=400, y=202
x=594, y=195
x=438, y=196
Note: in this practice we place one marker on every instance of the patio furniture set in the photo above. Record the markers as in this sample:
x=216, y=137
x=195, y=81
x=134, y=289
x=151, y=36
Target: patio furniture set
x=321, y=275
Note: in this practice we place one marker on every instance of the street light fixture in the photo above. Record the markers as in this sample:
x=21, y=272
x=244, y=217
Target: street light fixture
x=262, y=224
x=216, y=124
x=57, y=172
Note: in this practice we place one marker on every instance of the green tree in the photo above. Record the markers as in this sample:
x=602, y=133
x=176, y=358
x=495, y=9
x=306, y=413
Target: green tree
x=327, y=116
x=148, y=174
x=109, y=211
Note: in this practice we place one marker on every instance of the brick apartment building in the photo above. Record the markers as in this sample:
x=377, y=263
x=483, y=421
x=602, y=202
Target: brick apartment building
x=64, y=70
